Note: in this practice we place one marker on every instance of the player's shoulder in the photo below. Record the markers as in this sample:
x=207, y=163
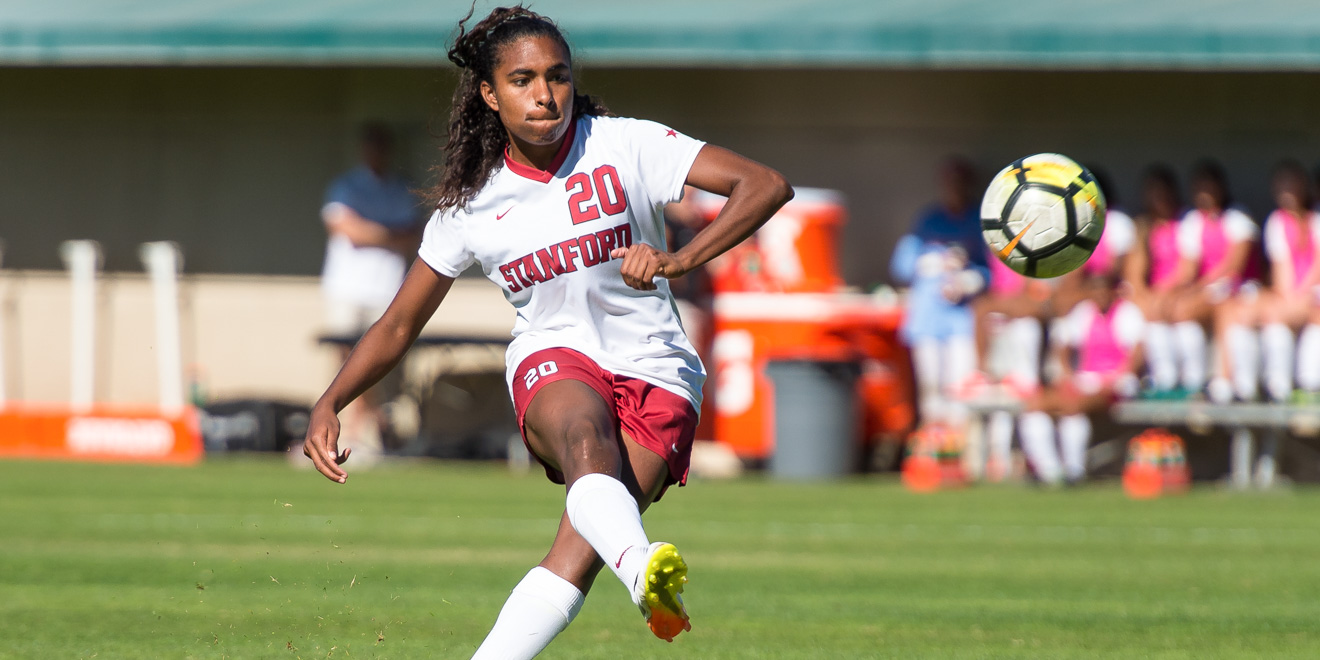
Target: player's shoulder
x=1237, y=215
x=1118, y=216
x=350, y=179
x=480, y=205
x=1078, y=320
x=1127, y=308
x=624, y=128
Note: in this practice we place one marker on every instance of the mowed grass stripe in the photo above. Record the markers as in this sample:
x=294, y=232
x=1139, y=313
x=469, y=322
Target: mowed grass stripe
x=414, y=561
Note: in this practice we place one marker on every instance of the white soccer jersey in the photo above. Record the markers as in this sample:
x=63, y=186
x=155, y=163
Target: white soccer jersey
x=545, y=239
x=1238, y=227
x=1129, y=324
x=1277, y=246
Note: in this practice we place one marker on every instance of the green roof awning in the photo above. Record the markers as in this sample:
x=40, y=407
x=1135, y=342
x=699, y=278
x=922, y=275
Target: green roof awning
x=1151, y=34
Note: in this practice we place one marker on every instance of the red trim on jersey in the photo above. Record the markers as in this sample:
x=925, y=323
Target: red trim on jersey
x=544, y=176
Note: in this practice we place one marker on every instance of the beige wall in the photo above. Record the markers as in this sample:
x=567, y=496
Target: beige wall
x=241, y=335
x=232, y=162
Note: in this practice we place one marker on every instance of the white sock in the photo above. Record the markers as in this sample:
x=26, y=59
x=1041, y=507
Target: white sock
x=1244, y=360
x=1190, y=337
x=1074, y=437
x=999, y=438
x=540, y=607
x=1277, y=340
x=1308, y=359
x=958, y=362
x=605, y=514
x=1220, y=391
x=1159, y=354
x=1037, y=431
x=926, y=368
x=1026, y=334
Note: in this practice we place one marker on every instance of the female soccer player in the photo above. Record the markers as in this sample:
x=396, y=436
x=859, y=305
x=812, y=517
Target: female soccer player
x=560, y=205
x=1104, y=334
x=1215, y=245
x=1152, y=272
x=1290, y=236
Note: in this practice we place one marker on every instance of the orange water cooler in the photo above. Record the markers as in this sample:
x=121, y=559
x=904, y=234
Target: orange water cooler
x=779, y=296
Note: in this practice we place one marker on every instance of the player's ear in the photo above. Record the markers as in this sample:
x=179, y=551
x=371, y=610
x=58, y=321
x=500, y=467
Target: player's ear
x=488, y=95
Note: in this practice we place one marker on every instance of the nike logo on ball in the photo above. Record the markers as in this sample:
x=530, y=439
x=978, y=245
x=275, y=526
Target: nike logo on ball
x=506, y=212
x=1008, y=249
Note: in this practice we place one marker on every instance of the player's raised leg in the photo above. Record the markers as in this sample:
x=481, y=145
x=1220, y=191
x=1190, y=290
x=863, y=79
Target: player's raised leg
x=610, y=481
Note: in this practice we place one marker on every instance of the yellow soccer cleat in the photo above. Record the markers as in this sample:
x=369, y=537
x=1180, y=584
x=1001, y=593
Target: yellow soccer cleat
x=660, y=584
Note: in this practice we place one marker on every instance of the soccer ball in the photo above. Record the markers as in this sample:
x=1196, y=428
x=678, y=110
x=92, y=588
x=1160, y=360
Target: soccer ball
x=1043, y=215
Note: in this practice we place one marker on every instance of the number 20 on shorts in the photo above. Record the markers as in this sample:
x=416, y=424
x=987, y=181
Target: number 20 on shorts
x=535, y=373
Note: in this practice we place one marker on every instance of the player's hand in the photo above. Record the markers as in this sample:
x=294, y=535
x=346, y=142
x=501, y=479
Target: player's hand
x=322, y=444
x=643, y=263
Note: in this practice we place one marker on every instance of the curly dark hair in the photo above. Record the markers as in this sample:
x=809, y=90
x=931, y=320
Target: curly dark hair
x=477, y=139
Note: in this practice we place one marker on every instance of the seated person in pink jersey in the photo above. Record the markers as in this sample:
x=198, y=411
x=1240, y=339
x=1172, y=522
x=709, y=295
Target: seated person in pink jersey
x=1011, y=311
x=1289, y=304
x=1150, y=277
x=1216, y=244
x=1111, y=254
x=1016, y=307
x=1099, y=349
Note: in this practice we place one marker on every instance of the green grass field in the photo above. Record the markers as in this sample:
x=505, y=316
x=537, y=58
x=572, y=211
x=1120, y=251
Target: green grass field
x=251, y=559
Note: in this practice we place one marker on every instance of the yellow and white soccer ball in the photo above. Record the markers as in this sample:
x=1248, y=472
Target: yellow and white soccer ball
x=1043, y=215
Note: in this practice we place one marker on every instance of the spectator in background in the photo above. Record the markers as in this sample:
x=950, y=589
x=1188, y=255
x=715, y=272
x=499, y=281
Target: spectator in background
x=1290, y=236
x=943, y=261
x=1216, y=244
x=1111, y=254
x=1018, y=306
x=1102, y=337
x=1151, y=280
x=374, y=224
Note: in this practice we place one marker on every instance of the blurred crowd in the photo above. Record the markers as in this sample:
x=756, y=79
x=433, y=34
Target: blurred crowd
x=1186, y=297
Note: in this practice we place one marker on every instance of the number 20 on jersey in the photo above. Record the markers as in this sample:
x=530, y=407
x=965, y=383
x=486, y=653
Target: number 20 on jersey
x=585, y=191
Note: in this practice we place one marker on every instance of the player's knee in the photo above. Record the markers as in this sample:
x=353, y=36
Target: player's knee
x=587, y=438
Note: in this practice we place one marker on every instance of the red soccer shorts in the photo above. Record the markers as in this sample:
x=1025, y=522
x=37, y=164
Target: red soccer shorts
x=657, y=419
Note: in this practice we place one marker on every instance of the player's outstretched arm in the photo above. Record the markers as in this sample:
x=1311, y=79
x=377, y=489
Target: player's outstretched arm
x=755, y=192
x=380, y=350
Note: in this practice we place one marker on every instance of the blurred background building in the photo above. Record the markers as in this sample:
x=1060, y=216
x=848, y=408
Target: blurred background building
x=218, y=124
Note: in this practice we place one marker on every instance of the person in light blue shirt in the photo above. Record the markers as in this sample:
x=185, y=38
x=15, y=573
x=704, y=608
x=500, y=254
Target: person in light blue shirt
x=374, y=224
x=942, y=260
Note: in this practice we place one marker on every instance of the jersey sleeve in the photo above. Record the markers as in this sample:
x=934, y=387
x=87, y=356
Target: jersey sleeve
x=1120, y=233
x=337, y=194
x=444, y=247
x=1189, y=236
x=1074, y=327
x=1129, y=325
x=663, y=156
x=1238, y=227
x=1276, y=242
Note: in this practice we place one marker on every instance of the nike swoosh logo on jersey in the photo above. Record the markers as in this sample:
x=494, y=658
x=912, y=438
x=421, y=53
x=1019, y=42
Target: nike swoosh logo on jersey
x=506, y=212
x=1008, y=249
